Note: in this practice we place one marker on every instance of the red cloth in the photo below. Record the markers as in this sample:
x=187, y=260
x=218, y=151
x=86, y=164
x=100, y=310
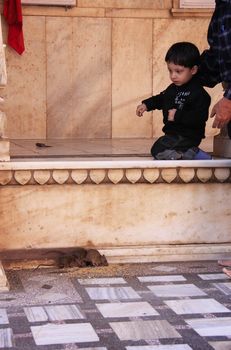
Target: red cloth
x=13, y=14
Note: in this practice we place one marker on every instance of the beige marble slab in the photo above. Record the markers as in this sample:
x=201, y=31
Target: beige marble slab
x=137, y=13
x=91, y=78
x=103, y=215
x=131, y=76
x=61, y=11
x=88, y=148
x=126, y=3
x=59, y=77
x=26, y=88
x=50, y=2
x=3, y=75
x=4, y=150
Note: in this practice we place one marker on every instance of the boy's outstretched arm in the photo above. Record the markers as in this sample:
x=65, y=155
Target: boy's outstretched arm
x=141, y=109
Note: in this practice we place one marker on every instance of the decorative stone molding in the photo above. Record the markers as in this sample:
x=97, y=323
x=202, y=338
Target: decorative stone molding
x=114, y=172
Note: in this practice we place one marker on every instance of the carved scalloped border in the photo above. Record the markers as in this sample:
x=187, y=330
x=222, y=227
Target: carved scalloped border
x=114, y=176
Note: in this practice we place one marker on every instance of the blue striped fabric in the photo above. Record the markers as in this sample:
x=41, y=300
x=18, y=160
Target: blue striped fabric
x=216, y=61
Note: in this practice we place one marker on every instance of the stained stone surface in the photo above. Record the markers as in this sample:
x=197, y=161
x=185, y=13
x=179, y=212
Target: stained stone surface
x=115, y=307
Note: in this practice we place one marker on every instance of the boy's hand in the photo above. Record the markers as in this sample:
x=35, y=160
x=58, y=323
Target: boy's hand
x=171, y=114
x=141, y=109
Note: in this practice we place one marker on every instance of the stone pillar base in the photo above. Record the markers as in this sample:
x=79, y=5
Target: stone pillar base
x=4, y=150
x=4, y=285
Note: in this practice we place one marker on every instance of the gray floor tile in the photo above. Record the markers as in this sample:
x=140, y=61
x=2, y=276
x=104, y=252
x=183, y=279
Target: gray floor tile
x=164, y=268
x=213, y=276
x=224, y=287
x=220, y=345
x=147, y=330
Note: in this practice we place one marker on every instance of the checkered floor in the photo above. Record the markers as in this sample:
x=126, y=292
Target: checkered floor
x=167, y=306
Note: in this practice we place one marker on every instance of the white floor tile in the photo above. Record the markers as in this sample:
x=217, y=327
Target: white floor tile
x=170, y=278
x=116, y=280
x=213, y=276
x=112, y=293
x=6, y=336
x=53, y=313
x=220, y=326
x=3, y=317
x=97, y=348
x=147, y=330
x=177, y=290
x=160, y=347
x=64, y=333
x=196, y=306
x=131, y=309
x=36, y=314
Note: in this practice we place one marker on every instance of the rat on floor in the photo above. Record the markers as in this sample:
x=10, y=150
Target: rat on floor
x=78, y=257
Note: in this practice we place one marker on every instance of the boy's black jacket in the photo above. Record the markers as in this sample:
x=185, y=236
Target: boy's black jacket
x=192, y=104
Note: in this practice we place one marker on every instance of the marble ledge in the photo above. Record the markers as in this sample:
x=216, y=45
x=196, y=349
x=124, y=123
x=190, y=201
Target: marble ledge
x=176, y=12
x=113, y=171
x=64, y=11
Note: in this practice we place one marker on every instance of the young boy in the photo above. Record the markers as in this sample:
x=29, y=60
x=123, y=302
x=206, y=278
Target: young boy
x=185, y=106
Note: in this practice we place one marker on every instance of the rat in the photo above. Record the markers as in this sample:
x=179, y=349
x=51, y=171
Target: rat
x=75, y=259
x=78, y=257
x=94, y=258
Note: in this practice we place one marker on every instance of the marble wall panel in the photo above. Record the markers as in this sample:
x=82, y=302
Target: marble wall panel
x=167, y=32
x=91, y=75
x=157, y=4
x=116, y=215
x=59, y=77
x=131, y=76
x=82, y=77
x=25, y=92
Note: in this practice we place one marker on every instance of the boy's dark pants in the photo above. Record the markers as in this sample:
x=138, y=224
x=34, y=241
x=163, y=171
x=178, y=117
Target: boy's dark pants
x=172, y=142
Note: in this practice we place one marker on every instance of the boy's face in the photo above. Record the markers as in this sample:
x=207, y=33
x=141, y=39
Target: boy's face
x=180, y=75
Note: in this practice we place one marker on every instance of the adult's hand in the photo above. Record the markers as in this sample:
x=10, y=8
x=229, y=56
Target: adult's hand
x=222, y=112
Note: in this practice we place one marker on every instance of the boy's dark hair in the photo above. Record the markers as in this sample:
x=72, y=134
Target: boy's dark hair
x=183, y=54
